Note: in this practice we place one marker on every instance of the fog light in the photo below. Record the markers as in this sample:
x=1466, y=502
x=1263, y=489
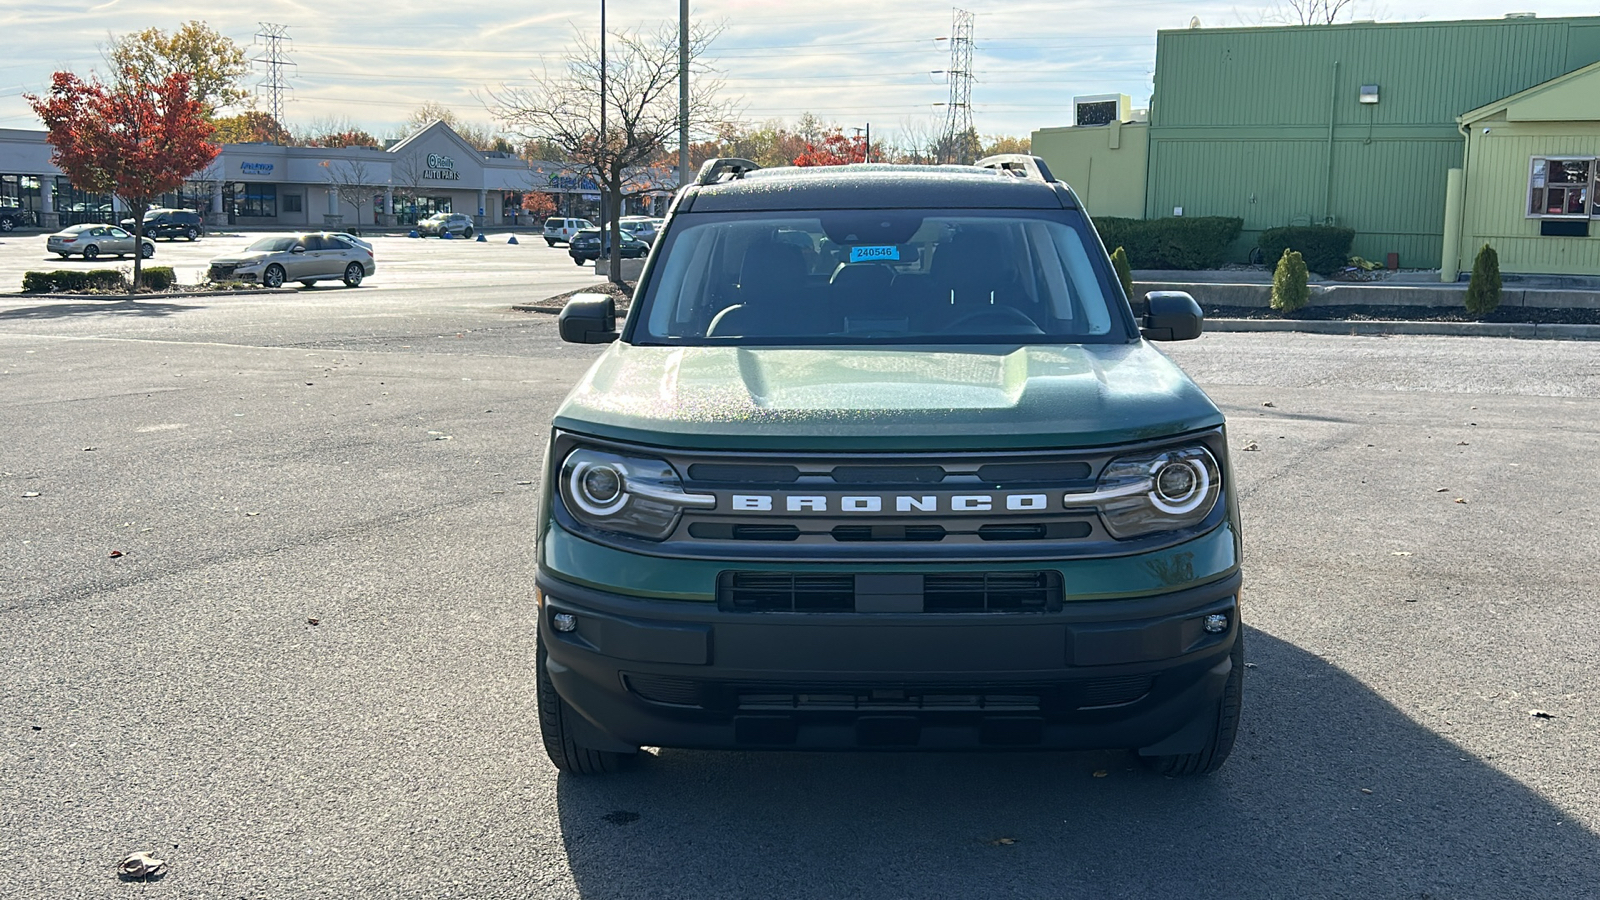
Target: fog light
x=567, y=622
x=1216, y=623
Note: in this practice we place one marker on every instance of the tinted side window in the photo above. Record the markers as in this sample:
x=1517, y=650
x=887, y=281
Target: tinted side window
x=311, y=242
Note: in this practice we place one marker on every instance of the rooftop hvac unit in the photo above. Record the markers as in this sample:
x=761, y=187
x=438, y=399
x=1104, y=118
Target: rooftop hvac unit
x=1100, y=109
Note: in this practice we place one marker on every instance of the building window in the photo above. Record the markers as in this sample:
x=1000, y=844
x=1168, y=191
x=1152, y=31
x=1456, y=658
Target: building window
x=1561, y=188
x=291, y=203
x=255, y=200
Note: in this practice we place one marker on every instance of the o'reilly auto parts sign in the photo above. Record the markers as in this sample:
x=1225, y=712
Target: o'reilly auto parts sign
x=441, y=168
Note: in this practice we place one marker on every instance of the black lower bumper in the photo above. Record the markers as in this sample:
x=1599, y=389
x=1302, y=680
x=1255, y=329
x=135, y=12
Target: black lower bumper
x=1139, y=673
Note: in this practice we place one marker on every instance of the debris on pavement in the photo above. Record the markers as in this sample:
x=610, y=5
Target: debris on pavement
x=1540, y=714
x=141, y=866
x=117, y=553
x=313, y=621
x=1250, y=446
x=30, y=493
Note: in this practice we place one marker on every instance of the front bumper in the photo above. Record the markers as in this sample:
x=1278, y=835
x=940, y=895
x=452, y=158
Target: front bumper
x=1136, y=673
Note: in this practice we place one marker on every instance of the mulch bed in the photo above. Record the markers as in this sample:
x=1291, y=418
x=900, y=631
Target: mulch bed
x=1536, y=315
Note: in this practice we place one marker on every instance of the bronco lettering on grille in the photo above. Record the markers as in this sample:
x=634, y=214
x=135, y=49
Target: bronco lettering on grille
x=885, y=503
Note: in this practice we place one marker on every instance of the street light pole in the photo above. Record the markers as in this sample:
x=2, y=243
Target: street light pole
x=600, y=153
x=683, y=92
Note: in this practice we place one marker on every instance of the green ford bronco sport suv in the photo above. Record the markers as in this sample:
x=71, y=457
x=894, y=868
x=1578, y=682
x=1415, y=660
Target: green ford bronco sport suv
x=881, y=458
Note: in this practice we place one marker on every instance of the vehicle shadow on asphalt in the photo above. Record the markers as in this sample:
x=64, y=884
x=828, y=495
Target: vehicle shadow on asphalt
x=123, y=308
x=1286, y=817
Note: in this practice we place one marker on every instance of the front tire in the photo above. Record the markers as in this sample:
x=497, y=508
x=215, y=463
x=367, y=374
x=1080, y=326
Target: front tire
x=1224, y=730
x=147, y=250
x=91, y=252
x=353, y=274
x=273, y=276
x=559, y=742
x=468, y=232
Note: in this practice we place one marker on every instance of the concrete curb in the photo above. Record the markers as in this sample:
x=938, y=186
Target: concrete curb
x=1338, y=294
x=1524, y=330
x=124, y=297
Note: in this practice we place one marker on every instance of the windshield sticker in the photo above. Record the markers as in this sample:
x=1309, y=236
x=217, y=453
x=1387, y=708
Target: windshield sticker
x=871, y=254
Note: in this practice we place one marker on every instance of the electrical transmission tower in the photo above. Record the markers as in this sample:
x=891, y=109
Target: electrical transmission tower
x=955, y=143
x=275, y=46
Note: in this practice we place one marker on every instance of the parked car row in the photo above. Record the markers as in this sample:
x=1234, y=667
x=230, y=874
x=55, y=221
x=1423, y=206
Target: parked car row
x=306, y=258
x=588, y=246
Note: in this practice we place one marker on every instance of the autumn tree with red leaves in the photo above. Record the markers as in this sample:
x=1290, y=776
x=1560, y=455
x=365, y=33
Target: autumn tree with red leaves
x=136, y=139
x=834, y=150
x=538, y=205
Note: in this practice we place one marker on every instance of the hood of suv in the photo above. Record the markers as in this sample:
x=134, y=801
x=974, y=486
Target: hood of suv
x=928, y=398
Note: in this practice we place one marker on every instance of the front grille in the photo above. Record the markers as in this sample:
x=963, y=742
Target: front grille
x=781, y=592
x=888, y=532
x=978, y=592
x=1047, y=697
x=221, y=273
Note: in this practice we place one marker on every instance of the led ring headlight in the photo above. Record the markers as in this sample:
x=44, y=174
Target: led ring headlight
x=598, y=488
x=1179, y=486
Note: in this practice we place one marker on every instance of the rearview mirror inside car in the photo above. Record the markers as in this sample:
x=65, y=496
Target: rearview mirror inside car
x=589, y=319
x=1171, y=316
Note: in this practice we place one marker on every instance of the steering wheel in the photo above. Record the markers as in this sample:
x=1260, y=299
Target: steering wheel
x=1000, y=315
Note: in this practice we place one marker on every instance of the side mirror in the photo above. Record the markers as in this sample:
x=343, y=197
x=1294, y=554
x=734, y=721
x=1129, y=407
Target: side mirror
x=589, y=319
x=1171, y=316
x=297, y=249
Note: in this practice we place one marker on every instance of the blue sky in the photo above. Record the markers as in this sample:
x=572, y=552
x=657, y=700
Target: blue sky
x=848, y=62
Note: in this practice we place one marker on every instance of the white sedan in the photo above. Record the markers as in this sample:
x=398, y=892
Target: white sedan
x=90, y=241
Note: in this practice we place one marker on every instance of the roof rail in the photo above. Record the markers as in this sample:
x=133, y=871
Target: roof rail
x=713, y=170
x=1019, y=164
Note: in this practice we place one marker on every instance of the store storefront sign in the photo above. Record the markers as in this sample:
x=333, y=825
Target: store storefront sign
x=255, y=168
x=441, y=168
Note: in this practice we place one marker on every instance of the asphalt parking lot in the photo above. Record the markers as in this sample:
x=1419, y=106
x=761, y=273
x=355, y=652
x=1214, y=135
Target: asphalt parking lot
x=308, y=672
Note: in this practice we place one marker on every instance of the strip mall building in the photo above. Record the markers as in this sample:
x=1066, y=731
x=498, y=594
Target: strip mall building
x=272, y=186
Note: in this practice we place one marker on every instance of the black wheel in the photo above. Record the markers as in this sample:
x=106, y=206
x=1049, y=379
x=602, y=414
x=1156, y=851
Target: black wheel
x=273, y=276
x=309, y=283
x=1220, y=743
x=7, y=224
x=353, y=274
x=549, y=243
x=91, y=252
x=190, y=233
x=468, y=232
x=147, y=250
x=578, y=260
x=559, y=742
x=63, y=255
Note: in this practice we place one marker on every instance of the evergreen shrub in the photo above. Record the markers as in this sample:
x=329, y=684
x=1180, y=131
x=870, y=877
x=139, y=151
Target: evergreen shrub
x=1290, y=292
x=1483, y=291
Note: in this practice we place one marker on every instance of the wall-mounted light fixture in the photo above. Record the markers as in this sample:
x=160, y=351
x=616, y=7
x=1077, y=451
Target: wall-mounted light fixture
x=1369, y=93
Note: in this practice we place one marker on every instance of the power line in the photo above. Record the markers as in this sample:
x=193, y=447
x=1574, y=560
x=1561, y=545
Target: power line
x=275, y=44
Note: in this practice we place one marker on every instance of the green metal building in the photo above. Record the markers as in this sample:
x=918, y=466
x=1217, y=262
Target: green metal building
x=1356, y=125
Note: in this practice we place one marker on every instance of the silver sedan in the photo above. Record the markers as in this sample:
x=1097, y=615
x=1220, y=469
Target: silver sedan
x=93, y=241
x=306, y=258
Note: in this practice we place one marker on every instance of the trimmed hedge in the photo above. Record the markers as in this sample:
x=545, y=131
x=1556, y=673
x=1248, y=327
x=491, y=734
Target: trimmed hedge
x=71, y=281
x=1326, y=248
x=1290, y=291
x=1483, y=290
x=1200, y=242
x=159, y=278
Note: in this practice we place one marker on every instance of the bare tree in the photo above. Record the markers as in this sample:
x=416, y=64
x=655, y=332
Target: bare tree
x=352, y=180
x=562, y=109
x=409, y=176
x=1306, y=12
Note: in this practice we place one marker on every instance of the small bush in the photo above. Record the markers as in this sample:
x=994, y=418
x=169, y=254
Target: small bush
x=69, y=281
x=1290, y=292
x=1119, y=261
x=1483, y=291
x=159, y=278
x=1175, y=243
x=1326, y=248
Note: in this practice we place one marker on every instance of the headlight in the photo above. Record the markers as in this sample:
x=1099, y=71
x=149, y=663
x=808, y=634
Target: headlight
x=631, y=495
x=1154, y=492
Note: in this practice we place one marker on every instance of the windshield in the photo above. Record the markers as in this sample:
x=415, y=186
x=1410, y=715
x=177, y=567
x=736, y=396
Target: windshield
x=272, y=245
x=880, y=277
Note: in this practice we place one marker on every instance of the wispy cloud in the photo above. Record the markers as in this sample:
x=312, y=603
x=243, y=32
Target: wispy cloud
x=843, y=60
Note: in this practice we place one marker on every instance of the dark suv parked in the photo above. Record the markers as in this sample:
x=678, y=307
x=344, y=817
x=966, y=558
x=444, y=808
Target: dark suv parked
x=882, y=458
x=171, y=224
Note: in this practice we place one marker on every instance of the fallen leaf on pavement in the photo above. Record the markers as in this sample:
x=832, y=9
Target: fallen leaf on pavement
x=1002, y=842
x=1269, y=404
x=1540, y=714
x=1400, y=553
x=1461, y=500
x=116, y=553
x=30, y=493
x=1440, y=490
x=1366, y=790
x=1100, y=773
x=313, y=621
x=1250, y=446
